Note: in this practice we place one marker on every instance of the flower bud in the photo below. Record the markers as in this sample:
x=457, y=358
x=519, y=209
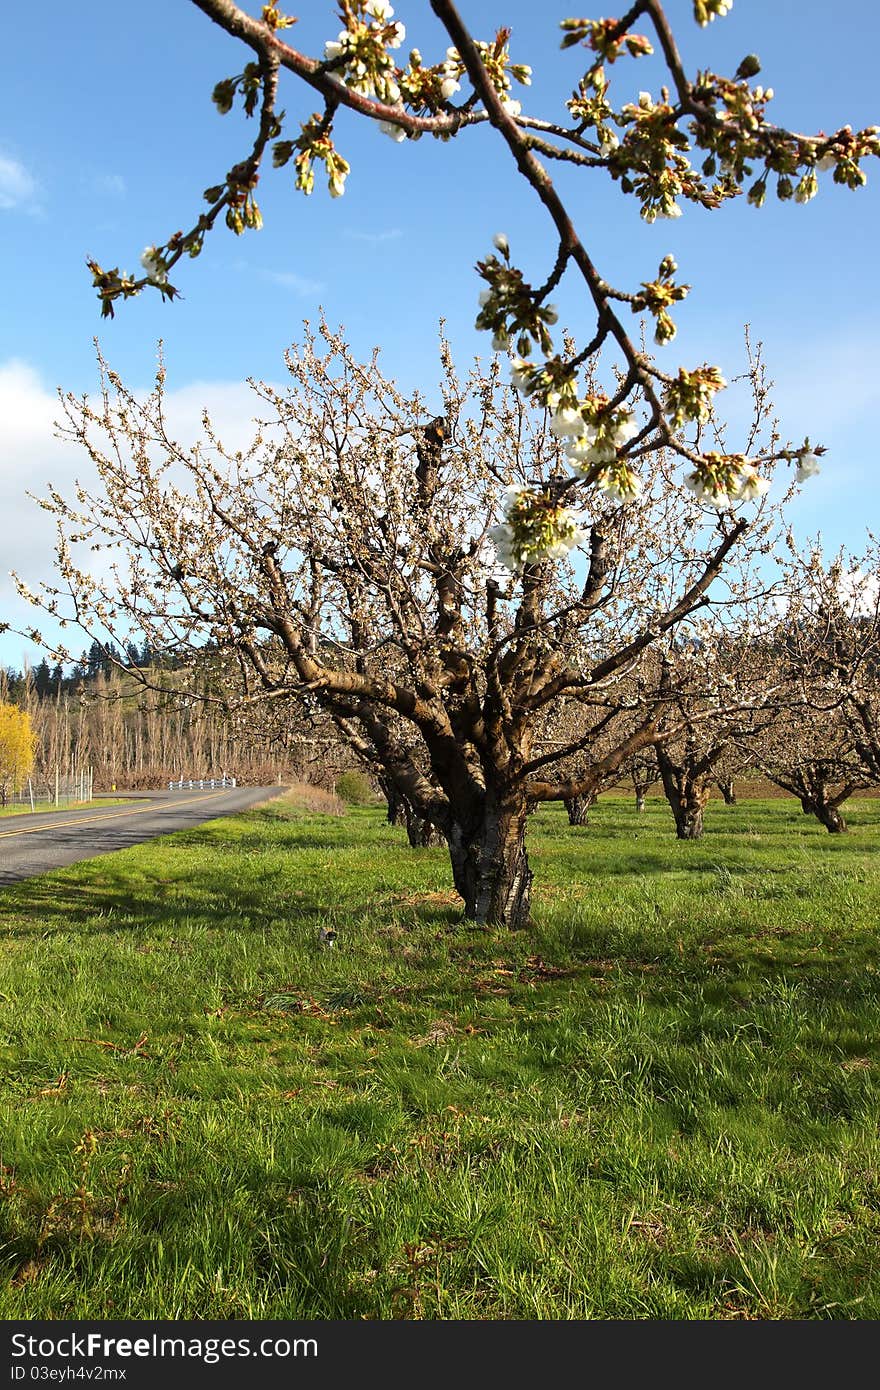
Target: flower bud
x=807, y=188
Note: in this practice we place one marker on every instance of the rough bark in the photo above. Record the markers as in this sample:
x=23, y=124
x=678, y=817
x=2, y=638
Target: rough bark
x=420, y=833
x=688, y=815
x=728, y=791
x=490, y=866
x=579, y=807
x=687, y=795
x=826, y=813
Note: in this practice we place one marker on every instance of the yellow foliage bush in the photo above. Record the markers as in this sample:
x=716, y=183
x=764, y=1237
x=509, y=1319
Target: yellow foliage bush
x=17, y=743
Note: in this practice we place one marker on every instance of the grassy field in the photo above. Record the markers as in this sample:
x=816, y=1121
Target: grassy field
x=662, y=1103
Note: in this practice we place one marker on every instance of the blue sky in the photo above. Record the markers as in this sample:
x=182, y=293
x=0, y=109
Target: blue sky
x=110, y=151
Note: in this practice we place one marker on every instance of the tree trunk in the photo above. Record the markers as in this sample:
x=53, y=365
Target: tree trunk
x=688, y=819
x=578, y=808
x=396, y=812
x=490, y=866
x=687, y=796
x=826, y=814
x=642, y=784
x=420, y=832
x=728, y=791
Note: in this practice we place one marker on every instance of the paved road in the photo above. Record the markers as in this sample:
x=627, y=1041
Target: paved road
x=34, y=844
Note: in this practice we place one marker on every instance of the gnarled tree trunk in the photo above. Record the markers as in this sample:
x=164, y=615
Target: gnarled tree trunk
x=579, y=807
x=819, y=791
x=687, y=796
x=825, y=812
x=419, y=831
x=490, y=866
x=728, y=791
x=395, y=800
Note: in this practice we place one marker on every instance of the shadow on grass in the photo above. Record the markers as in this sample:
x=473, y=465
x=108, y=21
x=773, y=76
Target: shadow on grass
x=100, y=899
x=49, y=907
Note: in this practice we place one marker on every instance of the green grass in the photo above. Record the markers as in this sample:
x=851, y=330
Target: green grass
x=662, y=1103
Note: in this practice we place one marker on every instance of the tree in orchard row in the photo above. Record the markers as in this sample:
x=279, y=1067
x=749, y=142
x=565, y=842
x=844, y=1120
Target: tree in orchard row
x=824, y=744
x=643, y=774
x=809, y=753
x=340, y=568
x=339, y=540
x=722, y=692
x=595, y=727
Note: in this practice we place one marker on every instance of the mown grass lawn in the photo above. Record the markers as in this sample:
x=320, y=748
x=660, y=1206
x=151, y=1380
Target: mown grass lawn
x=662, y=1103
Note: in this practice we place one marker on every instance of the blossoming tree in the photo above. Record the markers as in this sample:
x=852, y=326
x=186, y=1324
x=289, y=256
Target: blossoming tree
x=721, y=693
x=410, y=572
x=705, y=140
x=824, y=744
x=354, y=557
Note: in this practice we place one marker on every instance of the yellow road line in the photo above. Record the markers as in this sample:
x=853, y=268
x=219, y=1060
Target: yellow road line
x=110, y=815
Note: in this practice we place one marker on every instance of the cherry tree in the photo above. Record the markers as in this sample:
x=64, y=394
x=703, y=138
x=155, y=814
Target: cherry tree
x=644, y=774
x=704, y=140
x=408, y=565
x=810, y=754
x=412, y=581
x=716, y=689
x=824, y=744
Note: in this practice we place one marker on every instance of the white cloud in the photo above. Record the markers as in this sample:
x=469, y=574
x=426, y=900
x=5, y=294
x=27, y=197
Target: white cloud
x=375, y=238
x=859, y=591
x=33, y=457
x=286, y=279
x=232, y=406
x=299, y=284
x=18, y=189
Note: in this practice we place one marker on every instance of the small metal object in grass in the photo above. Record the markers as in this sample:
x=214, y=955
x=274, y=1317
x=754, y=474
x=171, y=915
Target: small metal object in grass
x=326, y=938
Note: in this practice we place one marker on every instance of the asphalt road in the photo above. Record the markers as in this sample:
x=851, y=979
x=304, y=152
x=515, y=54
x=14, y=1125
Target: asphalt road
x=34, y=844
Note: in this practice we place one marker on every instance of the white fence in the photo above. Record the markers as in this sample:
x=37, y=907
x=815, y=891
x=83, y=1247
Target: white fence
x=188, y=784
